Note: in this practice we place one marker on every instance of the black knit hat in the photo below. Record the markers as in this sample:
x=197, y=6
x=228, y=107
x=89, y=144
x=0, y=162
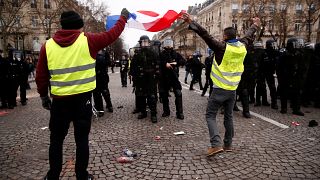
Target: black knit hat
x=71, y=20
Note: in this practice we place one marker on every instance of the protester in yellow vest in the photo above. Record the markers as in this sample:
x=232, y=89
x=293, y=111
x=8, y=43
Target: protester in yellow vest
x=227, y=68
x=66, y=66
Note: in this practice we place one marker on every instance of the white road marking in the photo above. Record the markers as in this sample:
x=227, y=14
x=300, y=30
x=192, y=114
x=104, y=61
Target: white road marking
x=186, y=86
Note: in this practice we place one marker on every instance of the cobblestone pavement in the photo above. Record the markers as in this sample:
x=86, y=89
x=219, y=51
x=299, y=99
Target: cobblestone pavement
x=262, y=149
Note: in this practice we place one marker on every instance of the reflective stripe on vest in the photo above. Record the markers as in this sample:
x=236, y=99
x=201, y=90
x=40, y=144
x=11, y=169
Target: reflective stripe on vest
x=228, y=74
x=72, y=69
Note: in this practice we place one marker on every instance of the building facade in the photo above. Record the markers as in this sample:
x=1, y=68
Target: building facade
x=26, y=25
x=281, y=19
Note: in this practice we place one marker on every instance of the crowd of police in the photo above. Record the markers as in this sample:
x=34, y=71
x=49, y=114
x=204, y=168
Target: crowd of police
x=14, y=72
x=290, y=74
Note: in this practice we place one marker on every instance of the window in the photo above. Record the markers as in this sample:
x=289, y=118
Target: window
x=308, y=26
x=272, y=8
x=271, y=25
x=1, y=22
x=46, y=22
x=33, y=4
x=297, y=26
x=47, y=4
x=234, y=24
x=299, y=8
x=234, y=8
x=1, y=2
x=245, y=8
x=283, y=7
x=34, y=21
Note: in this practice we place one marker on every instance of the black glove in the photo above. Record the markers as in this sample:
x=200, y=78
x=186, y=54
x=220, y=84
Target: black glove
x=125, y=13
x=46, y=102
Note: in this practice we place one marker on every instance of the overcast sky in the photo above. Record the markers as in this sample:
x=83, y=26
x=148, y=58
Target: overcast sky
x=130, y=35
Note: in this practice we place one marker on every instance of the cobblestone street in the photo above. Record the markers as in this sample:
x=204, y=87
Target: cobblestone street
x=263, y=149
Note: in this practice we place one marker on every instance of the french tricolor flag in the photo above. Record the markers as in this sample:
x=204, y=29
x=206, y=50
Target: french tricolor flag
x=155, y=23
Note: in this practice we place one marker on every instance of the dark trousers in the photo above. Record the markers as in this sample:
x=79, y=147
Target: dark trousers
x=196, y=77
x=77, y=109
x=262, y=89
x=218, y=98
x=209, y=84
x=151, y=100
x=124, y=78
x=98, y=101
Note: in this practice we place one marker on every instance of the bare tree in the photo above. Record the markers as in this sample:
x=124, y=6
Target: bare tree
x=11, y=15
x=312, y=15
x=94, y=15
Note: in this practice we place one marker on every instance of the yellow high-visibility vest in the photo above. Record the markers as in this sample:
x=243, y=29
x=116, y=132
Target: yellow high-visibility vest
x=71, y=68
x=227, y=75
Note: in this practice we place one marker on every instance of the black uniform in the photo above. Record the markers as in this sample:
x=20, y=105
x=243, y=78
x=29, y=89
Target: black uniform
x=315, y=65
x=4, y=80
x=124, y=64
x=144, y=69
x=248, y=79
x=169, y=79
x=291, y=77
x=102, y=80
x=208, y=64
x=266, y=71
x=196, y=68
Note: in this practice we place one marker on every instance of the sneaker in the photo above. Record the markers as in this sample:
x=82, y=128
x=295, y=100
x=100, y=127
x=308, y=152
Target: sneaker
x=227, y=148
x=214, y=150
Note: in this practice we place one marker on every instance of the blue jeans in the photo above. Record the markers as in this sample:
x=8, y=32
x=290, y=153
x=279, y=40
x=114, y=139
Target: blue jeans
x=218, y=98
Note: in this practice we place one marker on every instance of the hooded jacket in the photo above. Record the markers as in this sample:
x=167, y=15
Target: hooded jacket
x=65, y=38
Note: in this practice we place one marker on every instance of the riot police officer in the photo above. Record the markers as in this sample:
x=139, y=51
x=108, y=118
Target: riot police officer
x=145, y=71
x=102, y=80
x=291, y=76
x=208, y=63
x=124, y=64
x=315, y=64
x=196, y=68
x=266, y=70
x=170, y=61
x=248, y=77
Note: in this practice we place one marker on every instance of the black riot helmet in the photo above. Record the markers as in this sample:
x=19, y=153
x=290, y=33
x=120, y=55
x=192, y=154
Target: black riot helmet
x=271, y=44
x=156, y=43
x=295, y=43
x=292, y=44
x=144, y=41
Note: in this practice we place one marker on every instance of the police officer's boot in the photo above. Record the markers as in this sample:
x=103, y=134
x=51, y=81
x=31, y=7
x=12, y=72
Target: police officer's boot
x=154, y=117
x=179, y=106
x=296, y=109
x=143, y=114
x=283, y=106
x=165, y=105
x=245, y=103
